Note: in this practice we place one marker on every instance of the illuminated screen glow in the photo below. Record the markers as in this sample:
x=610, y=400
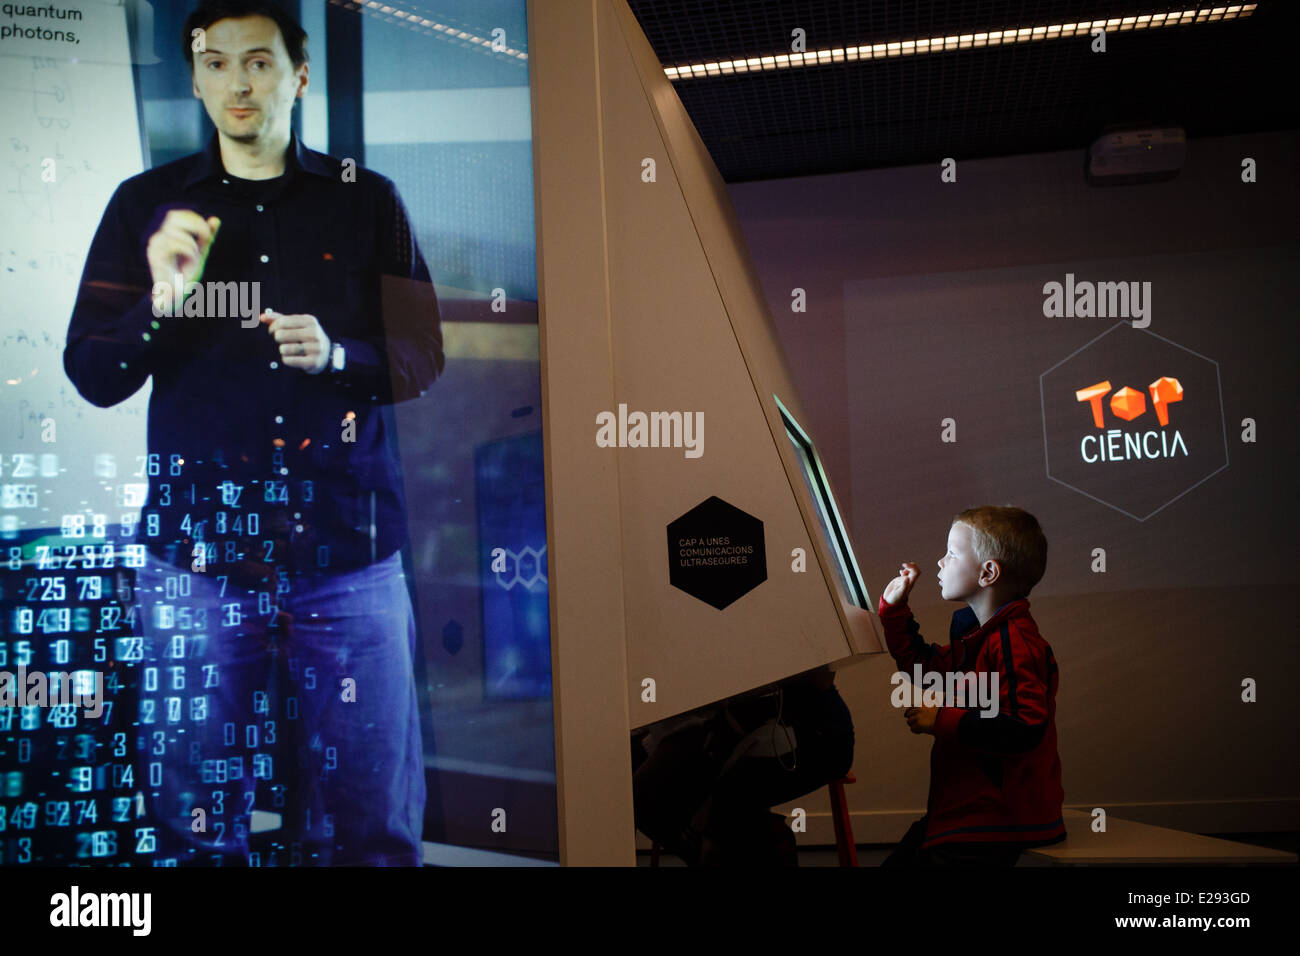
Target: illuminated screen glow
x=834, y=536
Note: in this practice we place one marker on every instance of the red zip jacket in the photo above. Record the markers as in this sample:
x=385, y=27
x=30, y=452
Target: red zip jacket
x=992, y=779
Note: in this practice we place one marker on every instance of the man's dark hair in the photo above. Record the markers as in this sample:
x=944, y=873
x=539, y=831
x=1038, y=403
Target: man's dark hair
x=209, y=12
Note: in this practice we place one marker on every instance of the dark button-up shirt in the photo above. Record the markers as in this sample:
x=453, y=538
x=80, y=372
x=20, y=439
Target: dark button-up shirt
x=270, y=467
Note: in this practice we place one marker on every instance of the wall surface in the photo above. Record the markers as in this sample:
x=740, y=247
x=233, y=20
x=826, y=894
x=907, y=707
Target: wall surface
x=925, y=301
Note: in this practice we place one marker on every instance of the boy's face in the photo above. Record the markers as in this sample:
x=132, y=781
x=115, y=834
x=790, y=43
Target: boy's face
x=246, y=80
x=959, y=570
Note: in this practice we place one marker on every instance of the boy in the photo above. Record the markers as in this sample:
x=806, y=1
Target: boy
x=995, y=781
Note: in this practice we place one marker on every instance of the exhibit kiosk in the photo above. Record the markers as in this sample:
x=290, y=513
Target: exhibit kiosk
x=696, y=548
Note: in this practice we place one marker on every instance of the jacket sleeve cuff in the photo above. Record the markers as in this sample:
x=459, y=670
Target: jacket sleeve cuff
x=945, y=725
x=141, y=332
x=885, y=609
x=361, y=356
x=142, y=326
x=1000, y=734
x=363, y=366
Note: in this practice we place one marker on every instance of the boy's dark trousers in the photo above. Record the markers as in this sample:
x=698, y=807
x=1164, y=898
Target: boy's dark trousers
x=908, y=853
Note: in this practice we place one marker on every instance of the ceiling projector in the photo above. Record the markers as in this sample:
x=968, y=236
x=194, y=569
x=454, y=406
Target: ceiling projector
x=1136, y=154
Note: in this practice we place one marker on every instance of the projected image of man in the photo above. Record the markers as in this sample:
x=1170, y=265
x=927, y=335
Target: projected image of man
x=277, y=299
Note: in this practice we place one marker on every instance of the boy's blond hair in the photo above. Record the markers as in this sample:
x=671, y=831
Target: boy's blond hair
x=1013, y=538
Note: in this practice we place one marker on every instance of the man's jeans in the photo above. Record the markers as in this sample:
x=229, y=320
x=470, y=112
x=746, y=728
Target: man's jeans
x=300, y=704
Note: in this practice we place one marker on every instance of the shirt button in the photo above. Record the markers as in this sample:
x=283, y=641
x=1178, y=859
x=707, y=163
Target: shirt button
x=279, y=419
x=259, y=207
x=226, y=181
x=266, y=258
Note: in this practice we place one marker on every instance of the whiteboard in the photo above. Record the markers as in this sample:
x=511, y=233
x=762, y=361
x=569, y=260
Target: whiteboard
x=70, y=134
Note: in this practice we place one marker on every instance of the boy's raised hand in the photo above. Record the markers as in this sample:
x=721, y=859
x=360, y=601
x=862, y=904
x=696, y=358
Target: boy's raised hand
x=898, y=589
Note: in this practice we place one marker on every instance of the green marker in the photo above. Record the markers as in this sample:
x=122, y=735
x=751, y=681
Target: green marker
x=198, y=276
x=192, y=285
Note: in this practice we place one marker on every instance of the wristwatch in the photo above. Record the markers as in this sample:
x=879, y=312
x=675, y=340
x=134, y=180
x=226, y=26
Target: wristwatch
x=337, y=357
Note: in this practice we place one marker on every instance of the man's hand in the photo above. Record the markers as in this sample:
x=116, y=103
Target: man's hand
x=303, y=343
x=180, y=247
x=921, y=719
x=898, y=589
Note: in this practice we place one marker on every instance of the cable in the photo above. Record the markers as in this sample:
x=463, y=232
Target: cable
x=780, y=707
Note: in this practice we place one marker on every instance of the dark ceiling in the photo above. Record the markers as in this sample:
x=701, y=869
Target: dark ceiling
x=1213, y=79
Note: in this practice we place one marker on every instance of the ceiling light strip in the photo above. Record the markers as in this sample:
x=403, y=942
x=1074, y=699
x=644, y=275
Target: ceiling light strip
x=963, y=41
x=415, y=21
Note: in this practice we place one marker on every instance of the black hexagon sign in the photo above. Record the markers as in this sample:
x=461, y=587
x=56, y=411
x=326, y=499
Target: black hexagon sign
x=1133, y=420
x=716, y=553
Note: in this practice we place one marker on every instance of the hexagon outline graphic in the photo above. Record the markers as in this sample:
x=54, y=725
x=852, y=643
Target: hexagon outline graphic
x=1223, y=421
x=535, y=581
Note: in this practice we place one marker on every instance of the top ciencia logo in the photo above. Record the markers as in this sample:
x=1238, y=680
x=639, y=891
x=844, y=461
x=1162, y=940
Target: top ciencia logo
x=1129, y=404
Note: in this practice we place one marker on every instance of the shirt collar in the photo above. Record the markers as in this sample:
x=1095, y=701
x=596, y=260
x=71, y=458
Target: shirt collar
x=965, y=621
x=298, y=158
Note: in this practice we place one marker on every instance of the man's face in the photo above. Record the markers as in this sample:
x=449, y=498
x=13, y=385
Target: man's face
x=959, y=569
x=246, y=80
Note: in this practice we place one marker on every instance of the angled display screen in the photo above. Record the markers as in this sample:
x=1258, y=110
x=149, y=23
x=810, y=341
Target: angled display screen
x=828, y=516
